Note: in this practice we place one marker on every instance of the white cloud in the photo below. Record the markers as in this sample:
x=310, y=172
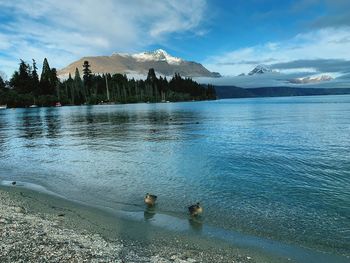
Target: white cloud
x=325, y=43
x=66, y=30
x=298, y=70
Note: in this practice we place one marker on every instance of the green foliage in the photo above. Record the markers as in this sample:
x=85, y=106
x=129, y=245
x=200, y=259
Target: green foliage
x=87, y=75
x=54, y=82
x=21, y=80
x=14, y=99
x=46, y=100
x=94, y=89
x=78, y=87
x=48, y=80
x=26, y=89
x=120, y=89
x=35, y=79
x=2, y=84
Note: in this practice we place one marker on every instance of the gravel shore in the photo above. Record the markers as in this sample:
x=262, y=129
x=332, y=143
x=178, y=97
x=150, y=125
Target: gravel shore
x=56, y=234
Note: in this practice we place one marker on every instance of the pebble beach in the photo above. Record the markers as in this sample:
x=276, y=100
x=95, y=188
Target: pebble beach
x=38, y=229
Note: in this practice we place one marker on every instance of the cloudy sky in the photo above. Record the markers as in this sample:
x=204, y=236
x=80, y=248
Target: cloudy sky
x=297, y=39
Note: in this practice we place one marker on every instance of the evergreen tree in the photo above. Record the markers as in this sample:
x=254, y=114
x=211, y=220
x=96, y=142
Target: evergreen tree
x=71, y=90
x=79, y=88
x=46, y=71
x=87, y=77
x=54, y=82
x=14, y=80
x=21, y=79
x=2, y=84
x=151, y=76
x=35, y=79
x=47, y=86
x=86, y=72
x=95, y=88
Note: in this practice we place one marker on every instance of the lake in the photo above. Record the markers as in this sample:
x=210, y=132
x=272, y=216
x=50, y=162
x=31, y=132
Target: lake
x=277, y=168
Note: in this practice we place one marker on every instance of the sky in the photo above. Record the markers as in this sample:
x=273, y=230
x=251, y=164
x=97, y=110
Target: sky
x=295, y=39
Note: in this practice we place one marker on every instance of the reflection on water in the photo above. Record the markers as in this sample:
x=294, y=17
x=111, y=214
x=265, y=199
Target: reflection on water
x=149, y=213
x=53, y=123
x=3, y=134
x=196, y=223
x=276, y=167
x=30, y=124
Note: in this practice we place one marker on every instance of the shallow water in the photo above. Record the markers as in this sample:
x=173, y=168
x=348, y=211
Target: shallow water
x=277, y=168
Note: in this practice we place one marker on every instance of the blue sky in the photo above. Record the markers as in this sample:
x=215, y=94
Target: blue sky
x=302, y=37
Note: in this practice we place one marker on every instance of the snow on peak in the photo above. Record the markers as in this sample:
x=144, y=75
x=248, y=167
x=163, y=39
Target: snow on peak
x=260, y=69
x=157, y=55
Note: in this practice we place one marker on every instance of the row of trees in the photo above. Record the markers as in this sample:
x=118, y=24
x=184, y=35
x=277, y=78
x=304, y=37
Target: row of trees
x=25, y=88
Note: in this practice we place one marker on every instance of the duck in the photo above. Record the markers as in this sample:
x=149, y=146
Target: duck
x=195, y=210
x=150, y=199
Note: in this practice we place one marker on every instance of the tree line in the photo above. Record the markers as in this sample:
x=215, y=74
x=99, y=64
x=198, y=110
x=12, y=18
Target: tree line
x=25, y=88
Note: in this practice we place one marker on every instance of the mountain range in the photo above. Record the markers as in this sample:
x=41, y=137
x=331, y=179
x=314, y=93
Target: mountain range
x=139, y=64
x=261, y=70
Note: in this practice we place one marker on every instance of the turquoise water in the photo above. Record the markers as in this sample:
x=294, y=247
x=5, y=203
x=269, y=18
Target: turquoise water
x=277, y=168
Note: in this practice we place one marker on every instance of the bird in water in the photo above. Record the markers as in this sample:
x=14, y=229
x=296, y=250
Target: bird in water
x=14, y=183
x=150, y=200
x=195, y=210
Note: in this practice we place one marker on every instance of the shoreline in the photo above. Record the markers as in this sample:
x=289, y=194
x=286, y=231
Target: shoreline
x=35, y=226
x=75, y=228
x=181, y=101
x=110, y=104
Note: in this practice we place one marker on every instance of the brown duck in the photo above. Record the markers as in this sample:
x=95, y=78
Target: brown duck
x=195, y=210
x=150, y=200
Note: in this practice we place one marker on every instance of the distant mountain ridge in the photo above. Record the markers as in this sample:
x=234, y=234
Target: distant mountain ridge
x=225, y=92
x=139, y=64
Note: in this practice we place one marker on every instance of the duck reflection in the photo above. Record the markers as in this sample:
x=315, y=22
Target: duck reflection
x=149, y=213
x=196, y=223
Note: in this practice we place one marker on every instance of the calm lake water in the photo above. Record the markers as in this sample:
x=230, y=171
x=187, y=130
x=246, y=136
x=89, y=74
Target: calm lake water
x=277, y=168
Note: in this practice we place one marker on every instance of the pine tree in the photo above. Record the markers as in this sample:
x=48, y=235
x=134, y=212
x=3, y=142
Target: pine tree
x=54, y=82
x=46, y=71
x=79, y=88
x=87, y=77
x=70, y=84
x=35, y=79
x=2, y=84
x=21, y=79
x=46, y=84
x=151, y=76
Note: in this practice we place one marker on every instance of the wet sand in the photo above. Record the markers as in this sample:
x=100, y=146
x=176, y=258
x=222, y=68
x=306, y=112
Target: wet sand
x=39, y=227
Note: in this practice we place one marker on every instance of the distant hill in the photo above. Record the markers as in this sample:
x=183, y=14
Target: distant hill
x=224, y=92
x=139, y=64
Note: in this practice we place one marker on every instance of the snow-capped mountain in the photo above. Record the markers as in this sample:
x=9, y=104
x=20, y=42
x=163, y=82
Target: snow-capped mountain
x=260, y=69
x=139, y=64
x=311, y=79
x=158, y=55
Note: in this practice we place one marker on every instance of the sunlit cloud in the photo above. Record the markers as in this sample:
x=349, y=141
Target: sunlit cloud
x=66, y=30
x=313, y=50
